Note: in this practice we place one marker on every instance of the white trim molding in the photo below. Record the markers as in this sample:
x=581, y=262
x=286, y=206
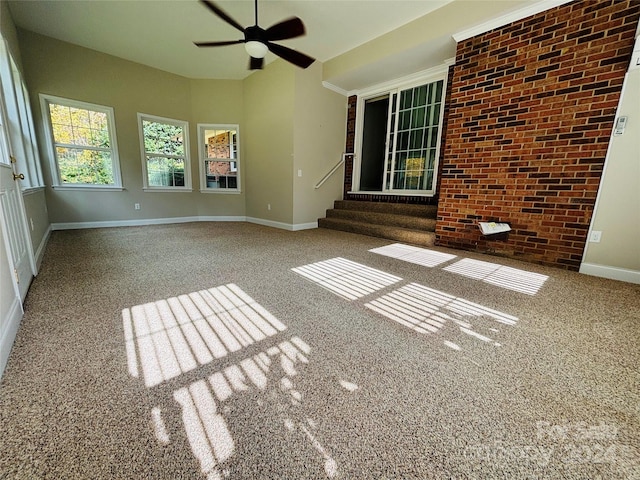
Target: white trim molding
x=9, y=334
x=142, y=222
x=284, y=226
x=41, y=248
x=166, y=221
x=335, y=88
x=613, y=273
x=508, y=18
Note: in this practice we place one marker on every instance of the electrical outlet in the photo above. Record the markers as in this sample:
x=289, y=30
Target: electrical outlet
x=595, y=237
x=136, y=206
x=31, y=221
x=268, y=206
x=299, y=172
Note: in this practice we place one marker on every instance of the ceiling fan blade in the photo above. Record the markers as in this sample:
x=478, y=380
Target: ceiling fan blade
x=222, y=14
x=290, y=28
x=297, y=58
x=256, y=63
x=217, y=44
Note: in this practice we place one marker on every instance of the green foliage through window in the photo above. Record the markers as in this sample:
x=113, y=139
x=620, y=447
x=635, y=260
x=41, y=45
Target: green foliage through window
x=82, y=145
x=164, y=153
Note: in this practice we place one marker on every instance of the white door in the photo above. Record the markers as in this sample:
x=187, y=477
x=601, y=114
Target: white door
x=12, y=215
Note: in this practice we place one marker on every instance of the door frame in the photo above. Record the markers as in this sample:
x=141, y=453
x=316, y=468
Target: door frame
x=414, y=80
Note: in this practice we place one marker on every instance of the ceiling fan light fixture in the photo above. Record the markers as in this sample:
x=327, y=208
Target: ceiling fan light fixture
x=256, y=49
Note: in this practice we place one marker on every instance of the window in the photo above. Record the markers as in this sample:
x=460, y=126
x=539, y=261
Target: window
x=165, y=153
x=21, y=139
x=399, y=138
x=82, y=135
x=219, y=160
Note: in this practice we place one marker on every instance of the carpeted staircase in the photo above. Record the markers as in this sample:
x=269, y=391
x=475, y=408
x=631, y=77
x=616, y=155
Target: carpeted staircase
x=414, y=224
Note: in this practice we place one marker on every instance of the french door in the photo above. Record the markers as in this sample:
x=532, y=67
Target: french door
x=400, y=140
x=13, y=224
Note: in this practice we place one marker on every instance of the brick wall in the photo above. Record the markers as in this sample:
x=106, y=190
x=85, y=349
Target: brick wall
x=531, y=111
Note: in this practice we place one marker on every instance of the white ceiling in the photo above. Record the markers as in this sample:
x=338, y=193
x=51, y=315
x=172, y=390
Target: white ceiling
x=160, y=34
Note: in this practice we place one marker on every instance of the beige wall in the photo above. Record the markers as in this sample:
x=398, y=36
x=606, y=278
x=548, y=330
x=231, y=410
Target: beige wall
x=268, y=142
x=8, y=30
x=281, y=110
x=218, y=101
x=58, y=68
x=429, y=35
x=617, y=212
x=320, y=117
x=37, y=218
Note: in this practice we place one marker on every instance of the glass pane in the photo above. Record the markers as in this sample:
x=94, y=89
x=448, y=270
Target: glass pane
x=420, y=96
x=405, y=120
x=165, y=172
x=415, y=171
x=416, y=139
x=398, y=180
x=417, y=119
x=84, y=166
x=163, y=138
x=433, y=136
x=220, y=143
x=221, y=174
x=431, y=156
x=403, y=141
x=75, y=126
x=82, y=136
x=428, y=180
x=435, y=118
x=401, y=161
x=438, y=93
x=405, y=99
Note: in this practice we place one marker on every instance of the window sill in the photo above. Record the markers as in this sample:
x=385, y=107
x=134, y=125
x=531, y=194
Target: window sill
x=167, y=189
x=221, y=190
x=100, y=188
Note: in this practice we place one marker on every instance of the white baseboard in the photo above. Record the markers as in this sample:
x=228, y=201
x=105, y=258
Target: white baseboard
x=284, y=226
x=614, y=273
x=270, y=223
x=7, y=337
x=143, y=221
x=43, y=244
x=164, y=221
x=305, y=226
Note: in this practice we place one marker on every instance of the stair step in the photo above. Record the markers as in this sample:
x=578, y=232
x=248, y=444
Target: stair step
x=406, y=209
x=394, y=220
x=399, y=234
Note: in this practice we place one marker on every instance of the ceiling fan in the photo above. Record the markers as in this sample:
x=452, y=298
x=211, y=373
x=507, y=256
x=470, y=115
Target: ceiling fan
x=258, y=41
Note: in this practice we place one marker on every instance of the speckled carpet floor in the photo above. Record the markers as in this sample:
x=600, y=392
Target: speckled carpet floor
x=232, y=350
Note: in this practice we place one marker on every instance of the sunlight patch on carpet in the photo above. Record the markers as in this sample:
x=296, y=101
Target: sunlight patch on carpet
x=426, y=310
x=499, y=275
x=348, y=279
x=166, y=338
x=411, y=254
x=204, y=404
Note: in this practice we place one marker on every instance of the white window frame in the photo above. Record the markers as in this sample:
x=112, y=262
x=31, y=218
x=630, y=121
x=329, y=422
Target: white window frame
x=186, y=158
x=203, y=158
x=397, y=86
x=19, y=122
x=45, y=101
